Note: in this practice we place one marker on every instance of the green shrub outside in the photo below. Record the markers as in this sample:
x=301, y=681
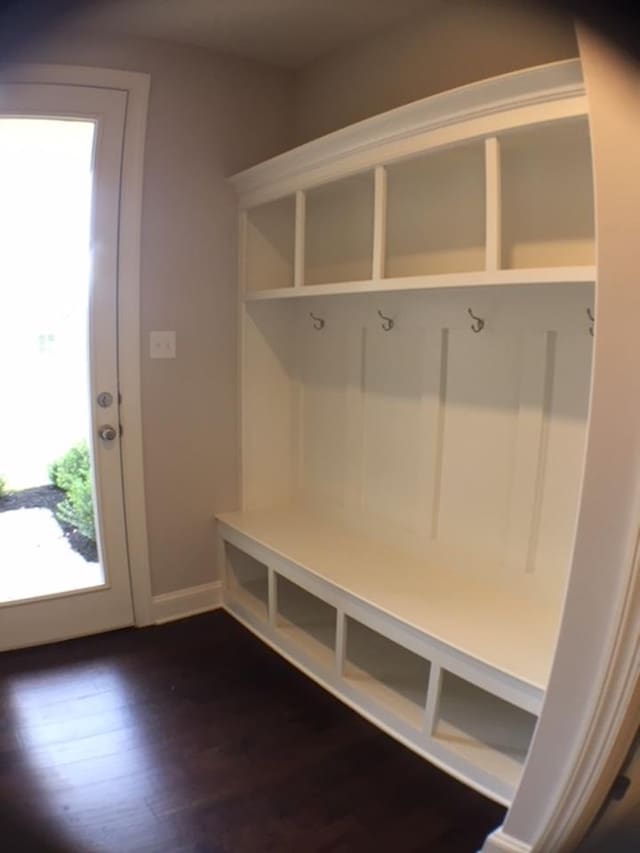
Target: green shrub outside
x=4, y=488
x=72, y=474
x=74, y=465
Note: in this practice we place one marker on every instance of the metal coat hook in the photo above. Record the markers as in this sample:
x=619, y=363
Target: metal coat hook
x=318, y=322
x=478, y=324
x=388, y=323
x=591, y=317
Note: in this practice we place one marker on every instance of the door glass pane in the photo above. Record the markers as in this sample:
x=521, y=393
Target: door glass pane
x=47, y=529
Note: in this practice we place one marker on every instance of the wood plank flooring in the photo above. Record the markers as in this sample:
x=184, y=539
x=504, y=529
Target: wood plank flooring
x=195, y=738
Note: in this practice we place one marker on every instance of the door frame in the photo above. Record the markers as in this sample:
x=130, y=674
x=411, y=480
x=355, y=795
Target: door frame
x=136, y=86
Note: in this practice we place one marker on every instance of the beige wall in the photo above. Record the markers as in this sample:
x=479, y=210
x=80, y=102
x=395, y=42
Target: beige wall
x=455, y=42
x=208, y=117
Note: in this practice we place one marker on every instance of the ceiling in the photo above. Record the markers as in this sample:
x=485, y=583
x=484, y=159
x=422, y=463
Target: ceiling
x=287, y=33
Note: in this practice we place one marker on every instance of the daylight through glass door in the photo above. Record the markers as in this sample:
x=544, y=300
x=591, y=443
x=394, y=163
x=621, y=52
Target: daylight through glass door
x=47, y=526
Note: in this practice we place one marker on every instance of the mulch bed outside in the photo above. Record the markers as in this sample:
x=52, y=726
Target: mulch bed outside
x=48, y=497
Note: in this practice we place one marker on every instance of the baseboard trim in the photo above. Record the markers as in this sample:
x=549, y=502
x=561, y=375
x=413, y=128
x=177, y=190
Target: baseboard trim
x=186, y=602
x=501, y=842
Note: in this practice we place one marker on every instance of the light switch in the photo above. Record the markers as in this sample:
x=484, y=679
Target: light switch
x=162, y=344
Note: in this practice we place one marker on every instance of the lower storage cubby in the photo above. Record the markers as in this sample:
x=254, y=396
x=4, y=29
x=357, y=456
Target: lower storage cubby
x=391, y=675
x=307, y=621
x=483, y=729
x=324, y=624
x=247, y=580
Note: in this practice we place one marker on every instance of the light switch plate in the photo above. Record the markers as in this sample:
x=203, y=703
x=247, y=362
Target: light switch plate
x=162, y=344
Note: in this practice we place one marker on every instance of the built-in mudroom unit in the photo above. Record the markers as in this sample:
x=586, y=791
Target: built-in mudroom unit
x=416, y=321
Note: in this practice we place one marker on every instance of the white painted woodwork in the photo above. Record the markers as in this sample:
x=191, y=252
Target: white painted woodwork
x=248, y=578
x=483, y=728
x=300, y=228
x=547, y=196
x=379, y=223
x=523, y=200
x=428, y=432
x=436, y=213
x=410, y=487
x=391, y=674
x=526, y=97
x=591, y=712
x=493, y=200
x=267, y=407
x=306, y=619
x=433, y=594
x=388, y=664
x=269, y=245
x=339, y=231
x=499, y=278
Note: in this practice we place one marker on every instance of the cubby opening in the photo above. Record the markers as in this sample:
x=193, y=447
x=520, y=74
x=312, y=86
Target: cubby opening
x=547, y=196
x=436, y=213
x=390, y=674
x=270, y=242
x=308, y=621
x=247, y=579
x=339, y=231
x=487, y=731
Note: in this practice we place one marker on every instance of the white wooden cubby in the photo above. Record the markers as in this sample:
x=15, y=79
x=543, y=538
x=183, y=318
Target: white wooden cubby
x=338, y=229
x=415, y=350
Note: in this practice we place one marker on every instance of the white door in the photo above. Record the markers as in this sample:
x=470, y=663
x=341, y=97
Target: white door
x=63, y=145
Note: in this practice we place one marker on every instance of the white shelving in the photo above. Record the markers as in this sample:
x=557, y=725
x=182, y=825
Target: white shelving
x=383, y=662
x=390, y=674
x=435, y=213
x=247, y=580
x=412, y=452
x=482, y=729
x=511, y=208
x=308, y=621
x=339, y=231
x=585, y=274
x=270, y=245
x=547, y=196
x=431, y=594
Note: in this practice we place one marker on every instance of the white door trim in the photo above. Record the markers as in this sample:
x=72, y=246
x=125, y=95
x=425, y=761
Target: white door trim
x=137, y=86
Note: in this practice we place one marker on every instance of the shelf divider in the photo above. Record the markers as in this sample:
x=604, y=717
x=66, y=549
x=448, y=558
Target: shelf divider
x=493, y=204
x=379, y=222
x=341, y=646
x=433, y=698
x=272, y=596
x=242, y=253
x=298, y=261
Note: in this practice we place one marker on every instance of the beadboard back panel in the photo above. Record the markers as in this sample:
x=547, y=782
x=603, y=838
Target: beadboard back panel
x=428, y=435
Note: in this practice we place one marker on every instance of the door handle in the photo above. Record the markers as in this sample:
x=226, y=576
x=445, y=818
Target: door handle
x=107, y=432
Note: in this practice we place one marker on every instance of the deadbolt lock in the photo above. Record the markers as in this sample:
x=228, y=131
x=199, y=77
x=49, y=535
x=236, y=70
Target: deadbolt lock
x=104, y=399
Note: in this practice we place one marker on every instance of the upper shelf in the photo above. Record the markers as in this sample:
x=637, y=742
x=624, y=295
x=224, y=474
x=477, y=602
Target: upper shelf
x=498, y=278
x=505, y=198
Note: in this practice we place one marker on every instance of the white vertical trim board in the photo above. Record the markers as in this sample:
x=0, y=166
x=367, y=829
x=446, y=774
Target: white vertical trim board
x=137, y=86
x=186, y=602
x=130, y=345
x=379, y=222
x=493, y=204
x=300, y=239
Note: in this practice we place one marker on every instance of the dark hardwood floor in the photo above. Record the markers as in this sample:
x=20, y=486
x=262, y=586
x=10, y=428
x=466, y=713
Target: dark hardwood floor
x=195, y=737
